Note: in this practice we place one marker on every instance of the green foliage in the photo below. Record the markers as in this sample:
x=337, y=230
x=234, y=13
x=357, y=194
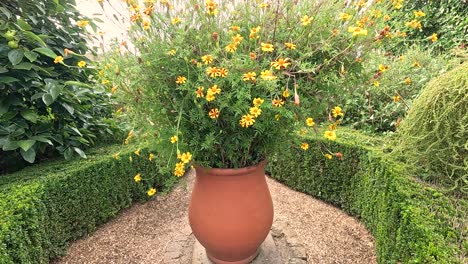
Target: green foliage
x=375, y=101
x=168, y=50
x=446, y=18
x=433, y=135
x=40, y=215
x=411, y=223
x=46, y=105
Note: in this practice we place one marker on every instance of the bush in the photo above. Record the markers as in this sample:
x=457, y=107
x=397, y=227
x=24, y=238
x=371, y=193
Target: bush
x=433, y=135
x=411, y=223
x=48, y=102
x=39, y=215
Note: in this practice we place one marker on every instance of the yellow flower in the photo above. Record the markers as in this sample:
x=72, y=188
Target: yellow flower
x=104, y=82
x=304, y=146
x=174, y=139
x=211, y=7
x=237, y=39
x=146, y=24
x=376, y=83
x=434, y=37
x=199, y=91
x=212, y=72
x=310, y=122
x=186, y=157
x=207, y=59
x=330, y=134
x=257, y=101
x=249, y=76
x=255, y=111
x=277, y=117
x=386, y=18
x=151, y=157
x=278, y=102
x=116, y=156
x=267, y=47
x=328, y=156
x=179, y=169
x=290, y=45
x=222, y=72
x=419, y=13
x=414, y=24
x=181, y=80
x=286, y=93
x=306, y=20
x=114, y=89
x=416, y=64
x=247, y=120
x=408, y=81
x=82, y=64
x=210, y=96
x=137, y=177
x=151, y=192
x=253, y=32
x=235, y=28
x=264, y=5
x=176, y=20
x=252, y=55
x=383, y=68
x=376, y=13
x=396, y=98
x=357, y=31
x=82, y=23
x=58, y=59
x=344, y=16
x=337, y=111
x=231, y=47
x=280, y=64
x=137, y=152
x=214, y=89
x=172, y=52
x=361, y=3
x=214, y=113
x=267, y=75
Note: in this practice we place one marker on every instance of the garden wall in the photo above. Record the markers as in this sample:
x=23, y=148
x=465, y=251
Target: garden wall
x=411, y=223
x=45, y=206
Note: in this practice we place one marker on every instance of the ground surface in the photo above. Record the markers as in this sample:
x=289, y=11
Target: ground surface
x=145, y=233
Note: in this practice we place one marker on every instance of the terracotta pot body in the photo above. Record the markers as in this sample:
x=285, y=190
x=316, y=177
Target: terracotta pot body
x=231, y=212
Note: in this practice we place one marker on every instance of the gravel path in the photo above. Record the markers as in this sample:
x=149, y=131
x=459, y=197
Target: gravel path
x=141, y=233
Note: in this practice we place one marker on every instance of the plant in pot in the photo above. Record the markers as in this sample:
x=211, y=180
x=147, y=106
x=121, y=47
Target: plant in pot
x=221, y=86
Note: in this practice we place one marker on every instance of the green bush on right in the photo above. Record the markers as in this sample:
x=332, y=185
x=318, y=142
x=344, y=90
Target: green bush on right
x=433, y=136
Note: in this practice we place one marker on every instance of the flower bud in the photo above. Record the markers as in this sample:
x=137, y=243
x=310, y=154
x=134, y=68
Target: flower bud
x=214, y=36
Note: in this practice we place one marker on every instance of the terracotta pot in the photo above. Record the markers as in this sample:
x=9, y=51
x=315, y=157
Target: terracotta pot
x=231, y=212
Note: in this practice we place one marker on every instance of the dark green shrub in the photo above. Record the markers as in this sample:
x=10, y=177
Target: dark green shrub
x=411, y=223
x=46, y=105
x=39, y=215
x=434, y=133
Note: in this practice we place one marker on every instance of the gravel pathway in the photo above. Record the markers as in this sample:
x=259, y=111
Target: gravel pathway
x=141, y=233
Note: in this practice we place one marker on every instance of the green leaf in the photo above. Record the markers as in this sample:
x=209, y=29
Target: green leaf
x=6, y=12
x=8, y=79
x=15, y=56
x=29, y=156
x=42, y=139
x=23, y=66
x=26, y=144
x=10, y=145
x=48, y=99
x=68, y=153
x=3, y=70
x=55, y=91
x=32, y=56
x=76, y=83
x=46, y=51
x=69, y=108
x=23, y=25
x=29, y=115
x=35, y=37
x=80, y=152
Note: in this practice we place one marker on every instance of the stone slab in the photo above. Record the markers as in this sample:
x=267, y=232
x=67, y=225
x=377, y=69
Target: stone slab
x=268, y=253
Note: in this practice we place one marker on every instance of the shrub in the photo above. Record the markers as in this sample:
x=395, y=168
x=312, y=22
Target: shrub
x=411, y=223
x=49, y=100
x=433, y=135
x=44, y=207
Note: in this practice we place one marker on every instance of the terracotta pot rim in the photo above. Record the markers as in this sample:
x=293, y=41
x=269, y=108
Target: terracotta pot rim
x=230, y=172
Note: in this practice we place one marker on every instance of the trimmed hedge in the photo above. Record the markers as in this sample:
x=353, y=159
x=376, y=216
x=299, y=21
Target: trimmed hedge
x=411, y=222
x=45, y=206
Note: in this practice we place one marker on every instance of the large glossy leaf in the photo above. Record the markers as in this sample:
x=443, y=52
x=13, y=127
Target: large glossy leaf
x=8, y=79
x=23, y=66
x=46, y=51
x=29, y=115
x=10, y=145
x=47, y=99
x=26, y=144
x=29, y=156
x=23, y=25
x=35, y=38
x=80, y=152
x=15, y=56
x=32, y=56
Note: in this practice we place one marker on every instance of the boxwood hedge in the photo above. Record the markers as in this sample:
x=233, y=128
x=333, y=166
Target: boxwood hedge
x=411, y=222
x=45, y=206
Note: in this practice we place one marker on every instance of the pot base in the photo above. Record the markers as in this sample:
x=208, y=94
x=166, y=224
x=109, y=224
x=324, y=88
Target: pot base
x=244, y=261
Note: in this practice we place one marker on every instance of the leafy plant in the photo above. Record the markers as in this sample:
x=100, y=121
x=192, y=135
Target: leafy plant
x=50, y=100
